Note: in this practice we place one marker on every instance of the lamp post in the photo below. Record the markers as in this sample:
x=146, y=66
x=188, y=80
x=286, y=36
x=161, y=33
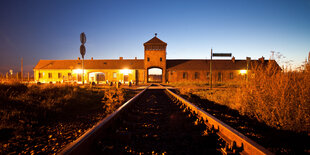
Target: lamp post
x=83, y=51
x=211, y=70
x=216, y=55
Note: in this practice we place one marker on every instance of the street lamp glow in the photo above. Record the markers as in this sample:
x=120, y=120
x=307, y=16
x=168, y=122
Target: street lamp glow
x=78, y=71
x=243, y=72
x=125, y=71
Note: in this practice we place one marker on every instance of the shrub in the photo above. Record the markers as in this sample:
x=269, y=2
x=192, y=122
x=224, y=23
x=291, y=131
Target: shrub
x=113, y=99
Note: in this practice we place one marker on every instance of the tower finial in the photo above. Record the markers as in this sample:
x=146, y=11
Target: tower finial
x=155, y=34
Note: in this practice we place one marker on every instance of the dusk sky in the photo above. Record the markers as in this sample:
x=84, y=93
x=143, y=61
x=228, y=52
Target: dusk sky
x=45, y=29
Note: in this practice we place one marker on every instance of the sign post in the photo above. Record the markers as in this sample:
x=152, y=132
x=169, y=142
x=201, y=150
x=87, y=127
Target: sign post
x=83, y=51
x=216, y=55
x=211, y=70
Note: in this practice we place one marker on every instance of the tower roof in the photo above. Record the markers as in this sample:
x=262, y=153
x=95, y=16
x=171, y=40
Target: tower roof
x=155, y=41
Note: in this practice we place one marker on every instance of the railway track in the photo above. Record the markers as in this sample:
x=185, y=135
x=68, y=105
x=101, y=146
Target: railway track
x=157, y=121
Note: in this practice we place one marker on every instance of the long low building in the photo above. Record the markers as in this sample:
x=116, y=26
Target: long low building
x=153, y=68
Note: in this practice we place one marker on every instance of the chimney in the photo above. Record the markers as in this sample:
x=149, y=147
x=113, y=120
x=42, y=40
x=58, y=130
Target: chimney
x=248, y=59
x=262, y=59
x=233, y=59
x=135, y=58
x=120, y=58
x=92, y=58
x=79, y=58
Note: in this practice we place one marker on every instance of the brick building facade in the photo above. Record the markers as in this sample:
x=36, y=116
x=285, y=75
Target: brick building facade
x=153, y=68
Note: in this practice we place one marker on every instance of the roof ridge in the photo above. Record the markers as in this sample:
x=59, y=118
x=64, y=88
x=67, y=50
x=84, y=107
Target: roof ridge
x=155, y=40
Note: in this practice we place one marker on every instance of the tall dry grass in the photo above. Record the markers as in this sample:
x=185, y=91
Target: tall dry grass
x=281, y=99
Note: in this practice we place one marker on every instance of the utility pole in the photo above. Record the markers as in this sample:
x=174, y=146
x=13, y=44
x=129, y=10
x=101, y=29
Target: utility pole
x=248, y=61
x=83, y=51
x=21, y=69
x=216, y=55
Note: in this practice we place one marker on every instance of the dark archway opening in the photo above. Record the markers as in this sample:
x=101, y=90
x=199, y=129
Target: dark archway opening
x=154, y=75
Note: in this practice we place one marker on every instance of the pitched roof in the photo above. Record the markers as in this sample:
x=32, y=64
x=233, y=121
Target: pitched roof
x=91, y=64
x=203, y=64
x=155, y=41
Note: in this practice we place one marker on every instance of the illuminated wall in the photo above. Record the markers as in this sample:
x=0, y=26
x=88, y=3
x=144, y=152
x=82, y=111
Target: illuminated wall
x=204, y=75
x=97, y=76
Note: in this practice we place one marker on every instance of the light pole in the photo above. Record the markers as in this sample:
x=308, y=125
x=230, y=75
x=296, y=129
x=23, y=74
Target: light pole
x=83, y=51
x=211, y=70
x=216, y=55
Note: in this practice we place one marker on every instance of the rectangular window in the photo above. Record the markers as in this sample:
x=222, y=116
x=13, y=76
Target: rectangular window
x=196, y=75
x=231, y=75
x=148, y=59
x=79, y=77
x=219, y=77
x=49, y=75
x=185, y=75
x=114, y=75
x=59, y=75
x=40, y=75
x=69, y=76
x=161, y=59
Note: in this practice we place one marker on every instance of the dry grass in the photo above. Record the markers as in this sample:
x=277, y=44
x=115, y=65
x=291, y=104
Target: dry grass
x=44, y=118
x=36, y=104
x=280, y=99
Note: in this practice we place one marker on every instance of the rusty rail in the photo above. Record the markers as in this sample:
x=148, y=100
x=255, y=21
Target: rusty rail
x=82, y=144
x=235, y=142
x=234, y=139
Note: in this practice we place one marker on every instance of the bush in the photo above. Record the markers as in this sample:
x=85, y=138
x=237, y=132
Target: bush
x=113, y=98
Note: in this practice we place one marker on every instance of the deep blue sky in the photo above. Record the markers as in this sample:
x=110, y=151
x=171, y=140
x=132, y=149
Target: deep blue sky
x=50, y=29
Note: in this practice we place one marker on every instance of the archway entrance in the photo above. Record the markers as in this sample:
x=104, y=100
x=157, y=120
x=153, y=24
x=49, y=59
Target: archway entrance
x=154, y=75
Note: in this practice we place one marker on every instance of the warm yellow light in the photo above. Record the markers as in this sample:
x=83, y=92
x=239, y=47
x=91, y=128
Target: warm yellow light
x=78, y=71
x=243, y=72
x=125, y=71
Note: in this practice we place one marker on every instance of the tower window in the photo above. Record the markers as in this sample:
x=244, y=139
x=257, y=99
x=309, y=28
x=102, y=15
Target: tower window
x=161, y=59
x=148, y=59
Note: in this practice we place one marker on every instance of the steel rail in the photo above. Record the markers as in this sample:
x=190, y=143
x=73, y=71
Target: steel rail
x=81, y=145
x=232, y=137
